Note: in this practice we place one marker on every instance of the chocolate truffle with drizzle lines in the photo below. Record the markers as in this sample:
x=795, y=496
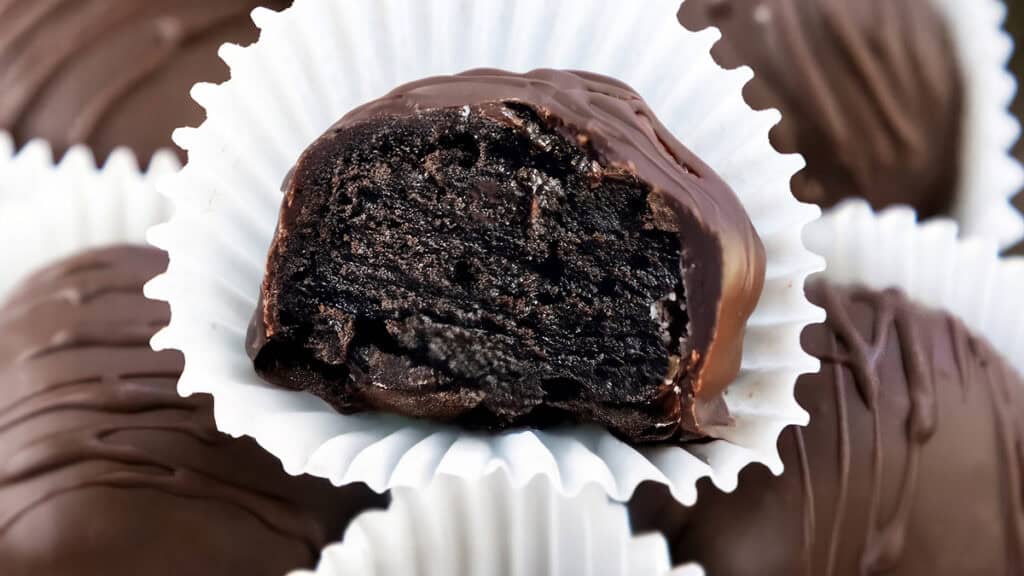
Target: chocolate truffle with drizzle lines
x=499, y=250
x=870, y=92
x=111, y=73
x=105, y=470
x=911, y=464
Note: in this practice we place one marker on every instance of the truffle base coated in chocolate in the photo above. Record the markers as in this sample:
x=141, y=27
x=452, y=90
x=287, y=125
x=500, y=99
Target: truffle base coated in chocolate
x=870, y=91
x=113, y=73
x=105, y=470
x=911, y=465
x=419, y=314
x=476, y=249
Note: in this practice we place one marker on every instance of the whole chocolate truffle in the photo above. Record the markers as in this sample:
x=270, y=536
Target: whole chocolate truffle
x=911, y=464
x=870, y=93
x=105, y=470
x=112, y=73
x=500, y=250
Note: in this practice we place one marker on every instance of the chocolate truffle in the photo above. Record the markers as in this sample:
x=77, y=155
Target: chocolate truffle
x=105, y=470
x=112, y=73
x=911, y=464
x=870, y=93
x=499, y=250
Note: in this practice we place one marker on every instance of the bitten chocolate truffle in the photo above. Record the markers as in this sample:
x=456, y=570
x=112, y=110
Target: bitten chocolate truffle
x=911, y=464
x=105, y=470
x=112, y=73
x=499, y=250
x=870, y=93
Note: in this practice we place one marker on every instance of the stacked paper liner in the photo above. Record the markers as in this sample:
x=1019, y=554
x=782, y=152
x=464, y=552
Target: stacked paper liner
x=50, y=211
x=990, y=176
x=927, y=261
x=490, y=527
x=6, y=149
x=316, y=61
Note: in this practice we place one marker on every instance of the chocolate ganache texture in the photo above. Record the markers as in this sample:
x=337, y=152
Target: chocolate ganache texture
x=911, y=465
x=112, y=73
x=870, y=93
x=499, y=250
x=105, y=470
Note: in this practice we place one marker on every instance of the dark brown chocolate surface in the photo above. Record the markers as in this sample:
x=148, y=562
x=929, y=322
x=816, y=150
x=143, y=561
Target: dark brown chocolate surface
x=869, y=90
x=504, y=250
x=1015, y=24
x=911, y=465
x=105, y=470
x=112, y=73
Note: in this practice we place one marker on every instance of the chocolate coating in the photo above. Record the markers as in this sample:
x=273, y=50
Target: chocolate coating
x=911, y=465
x=556, y=178
x=870, y=93
x=112, y=73
x=105, y=470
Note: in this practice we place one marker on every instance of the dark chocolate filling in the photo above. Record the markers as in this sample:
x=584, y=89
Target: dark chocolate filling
x=479, y=257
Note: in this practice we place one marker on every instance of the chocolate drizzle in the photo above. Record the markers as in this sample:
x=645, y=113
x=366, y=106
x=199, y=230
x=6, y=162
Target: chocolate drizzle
x=807, y=484
x=104, y=54
x=1008, y=426
x=911, y=464
x=884, y=539
x=87, y=406
x=870, y=92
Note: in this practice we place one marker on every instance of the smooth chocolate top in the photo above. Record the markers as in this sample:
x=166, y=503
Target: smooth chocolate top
x=912, y=463
x=112, y=73
x=104, y=469
x=722, y=262
x=870, y=93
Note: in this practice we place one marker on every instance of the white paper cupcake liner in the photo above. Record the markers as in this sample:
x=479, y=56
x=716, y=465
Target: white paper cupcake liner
x=319, y=59
x=491, y=527
x=990, y=176
x=50, y=211
x=6, y=149
x=927, y=261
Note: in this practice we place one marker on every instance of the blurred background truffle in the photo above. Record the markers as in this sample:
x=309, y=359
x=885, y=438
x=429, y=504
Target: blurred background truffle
x=105, y=470
x=112, y=73
x=911, y=464
x=870, y=93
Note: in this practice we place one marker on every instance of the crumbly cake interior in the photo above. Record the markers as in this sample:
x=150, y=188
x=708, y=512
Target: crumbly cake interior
x=487, y=258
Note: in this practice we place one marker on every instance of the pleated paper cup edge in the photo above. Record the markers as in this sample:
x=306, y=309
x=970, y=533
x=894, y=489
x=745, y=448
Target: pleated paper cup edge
x=973, y=282
x=117, y=192
x=990, y=175
x=558, y=530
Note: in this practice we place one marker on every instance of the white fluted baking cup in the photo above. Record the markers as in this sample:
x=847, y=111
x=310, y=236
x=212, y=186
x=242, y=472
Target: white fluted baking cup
x=491, y=527
x=319, y=59
x=990, y=176
x=927, y=261
x=49, y=211
x=6, y=149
